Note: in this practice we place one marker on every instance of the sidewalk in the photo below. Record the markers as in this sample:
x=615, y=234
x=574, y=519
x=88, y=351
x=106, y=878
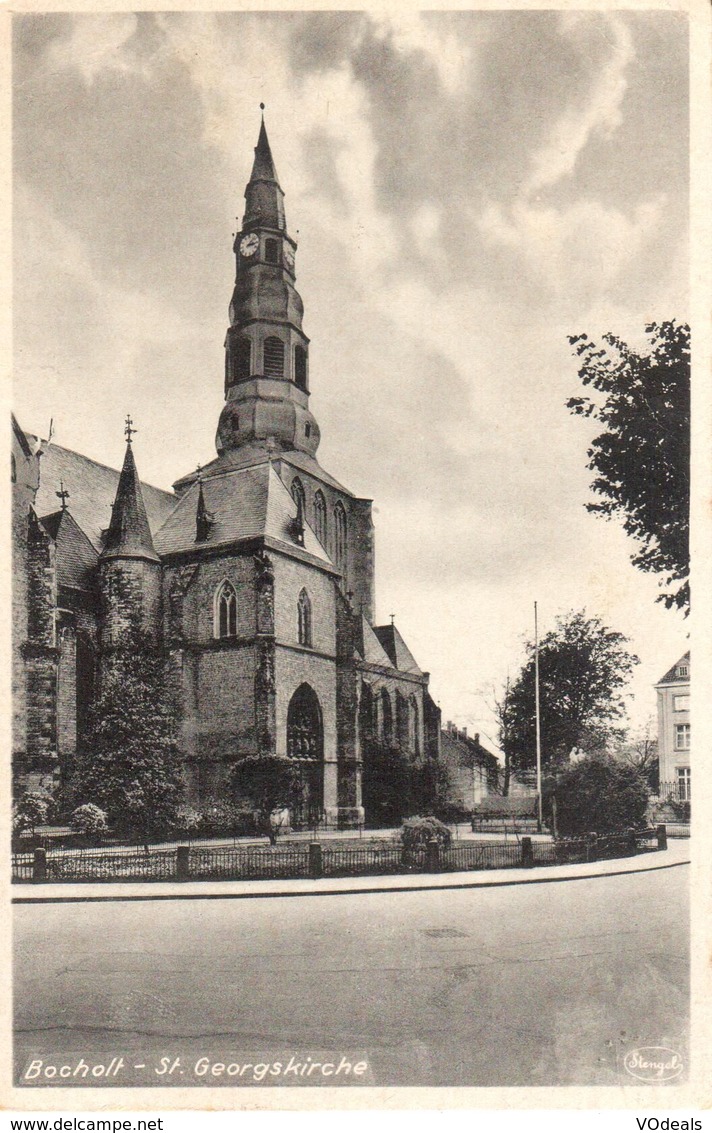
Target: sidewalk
x=677, y=854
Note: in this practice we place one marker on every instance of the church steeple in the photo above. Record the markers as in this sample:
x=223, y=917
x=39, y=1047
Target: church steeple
x=266, y=350
x=129, y=535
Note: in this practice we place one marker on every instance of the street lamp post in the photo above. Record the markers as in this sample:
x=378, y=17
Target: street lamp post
x=538, y=721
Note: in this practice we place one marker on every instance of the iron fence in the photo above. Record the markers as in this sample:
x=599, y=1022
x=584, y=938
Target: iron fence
x=316, y=859
x=242, y=863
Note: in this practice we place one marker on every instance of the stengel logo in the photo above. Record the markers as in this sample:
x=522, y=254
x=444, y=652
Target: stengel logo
x=653, y=1063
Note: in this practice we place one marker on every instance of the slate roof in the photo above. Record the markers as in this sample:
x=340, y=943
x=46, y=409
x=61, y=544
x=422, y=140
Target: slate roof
x=263, y=168
x=129, y=534
x=671, y=676
x=92, y=489
x=399, y=653
x=250, y=456
x=245, y=504
x=371, y=649
x=76, y=559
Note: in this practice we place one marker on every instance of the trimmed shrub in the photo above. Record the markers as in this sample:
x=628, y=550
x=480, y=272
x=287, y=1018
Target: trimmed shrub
x=417, y=832
x=90, y=820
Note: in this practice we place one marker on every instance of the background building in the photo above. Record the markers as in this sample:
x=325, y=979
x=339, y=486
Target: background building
x=674, y=736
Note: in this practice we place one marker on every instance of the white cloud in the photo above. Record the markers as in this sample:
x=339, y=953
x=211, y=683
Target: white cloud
x=410, y=32
x=601, y=112
x=96, y=44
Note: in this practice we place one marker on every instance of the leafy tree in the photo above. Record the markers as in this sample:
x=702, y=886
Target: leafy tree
x=130, y=767
x=268, y=781
x=641, y=460
x=640, y=751
x=583, y=670
x=601, y=796
x=417, y=832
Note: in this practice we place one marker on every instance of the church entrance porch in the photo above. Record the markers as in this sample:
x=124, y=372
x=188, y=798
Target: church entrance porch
x=305, y=745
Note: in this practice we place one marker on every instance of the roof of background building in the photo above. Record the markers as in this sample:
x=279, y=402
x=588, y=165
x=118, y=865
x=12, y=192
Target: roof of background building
x=371, y=649
x=671, y=677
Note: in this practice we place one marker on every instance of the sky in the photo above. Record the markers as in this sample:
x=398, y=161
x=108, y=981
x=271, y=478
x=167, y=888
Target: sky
x=467, y=189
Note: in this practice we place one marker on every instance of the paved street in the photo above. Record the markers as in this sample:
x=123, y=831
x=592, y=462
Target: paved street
x=519, y=985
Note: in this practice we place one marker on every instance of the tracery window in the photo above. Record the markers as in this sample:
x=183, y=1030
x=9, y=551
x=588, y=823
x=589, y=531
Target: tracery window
x=320, y=517
x=226, y=611
x=304, y=619
x=386, y=717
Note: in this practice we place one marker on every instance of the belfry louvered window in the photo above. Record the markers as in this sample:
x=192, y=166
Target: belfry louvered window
x=272, y=249
x=274, y=358
x=241, y=359
x=300, y=367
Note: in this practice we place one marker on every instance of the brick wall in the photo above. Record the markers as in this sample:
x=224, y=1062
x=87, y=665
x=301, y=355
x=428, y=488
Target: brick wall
x=130, y=597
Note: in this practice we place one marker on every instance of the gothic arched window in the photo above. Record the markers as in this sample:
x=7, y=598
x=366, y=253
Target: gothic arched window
x=414, y=726
x=304, y=619
x=300, y=367
x=320, y=517
x=226, y=611
x=298, y=494
x=340, y=536
x=274, y=357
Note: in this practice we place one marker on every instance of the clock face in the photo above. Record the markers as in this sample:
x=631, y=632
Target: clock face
x=249, y=244
x=289, y=256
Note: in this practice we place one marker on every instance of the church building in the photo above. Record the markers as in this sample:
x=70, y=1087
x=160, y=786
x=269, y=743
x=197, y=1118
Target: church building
x=255, y=575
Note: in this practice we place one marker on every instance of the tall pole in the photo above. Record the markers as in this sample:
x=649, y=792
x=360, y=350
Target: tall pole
x=538, y=720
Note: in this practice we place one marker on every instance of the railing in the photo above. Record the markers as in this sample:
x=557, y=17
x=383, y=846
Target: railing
x=314, y=859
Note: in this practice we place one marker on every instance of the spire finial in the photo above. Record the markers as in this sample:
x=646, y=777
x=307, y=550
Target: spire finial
x=63, y=495
x=393, y=619
x=129, y=429
x=262, y=107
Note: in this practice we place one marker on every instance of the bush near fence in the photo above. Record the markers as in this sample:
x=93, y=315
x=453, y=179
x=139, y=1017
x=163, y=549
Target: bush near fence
x=304, y=860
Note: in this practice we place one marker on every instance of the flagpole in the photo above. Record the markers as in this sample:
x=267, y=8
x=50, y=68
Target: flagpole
x=538, y=720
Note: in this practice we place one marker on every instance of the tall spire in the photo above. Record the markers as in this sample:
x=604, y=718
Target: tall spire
x=267, y=351
x=129, y=535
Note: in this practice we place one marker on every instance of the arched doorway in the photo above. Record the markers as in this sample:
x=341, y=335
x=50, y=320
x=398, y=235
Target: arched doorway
x=305, y=744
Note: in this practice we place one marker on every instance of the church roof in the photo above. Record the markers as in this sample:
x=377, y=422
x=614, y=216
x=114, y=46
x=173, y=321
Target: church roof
x=371, y=649
x=672, y=676
x=92, y=490
x=399, y=653
x=248, y=503
x=251, y=456
x=76, y=559
x=263, y=168
x=129, y=533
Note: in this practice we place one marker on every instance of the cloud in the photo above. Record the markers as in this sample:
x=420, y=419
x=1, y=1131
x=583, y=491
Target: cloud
x=413, y=33
x=600, y=113
x=97, y=44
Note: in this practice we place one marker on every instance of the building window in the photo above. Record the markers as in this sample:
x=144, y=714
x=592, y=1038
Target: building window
x=241, y=359
x=415, y=729
x=681, y=703
x=340, y=536
x=683, y=670
x=13, y=468
x=320, y=517
x=272, y=250
x=304, y=619
x=300, y=367
x=682, y=737
x=684, y=785
x=226, y=611
x=298, y=494
x=274, y=358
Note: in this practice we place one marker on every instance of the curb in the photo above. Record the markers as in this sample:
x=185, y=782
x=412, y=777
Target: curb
x=183, y=893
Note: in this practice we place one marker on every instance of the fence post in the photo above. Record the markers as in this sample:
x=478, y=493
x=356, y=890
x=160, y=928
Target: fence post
x=432, y=855
x=632, y=842
x=316, y=864
x=527, y=852
x=183, y=863
x=592, y=848
x=39, y=865
x=661, y=831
